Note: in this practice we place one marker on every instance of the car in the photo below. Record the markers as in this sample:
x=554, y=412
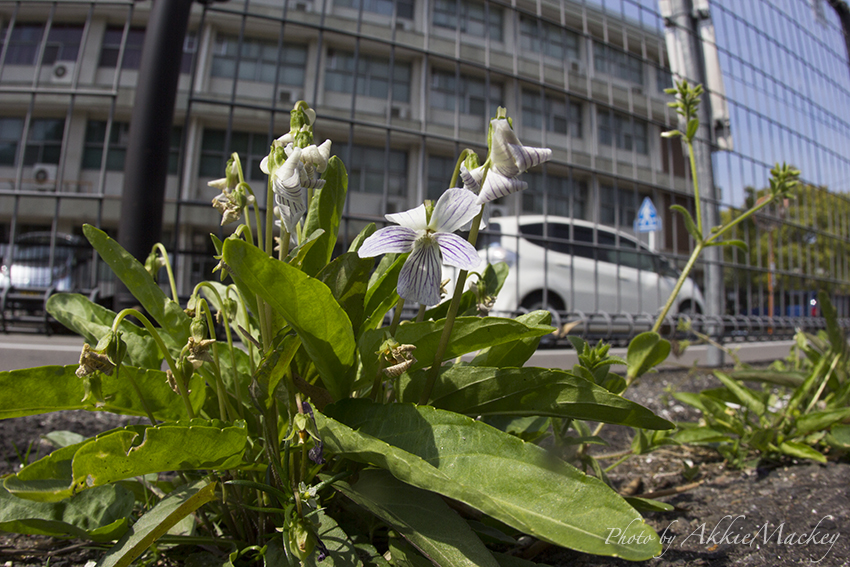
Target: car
x=29, y=264
x=567, y=265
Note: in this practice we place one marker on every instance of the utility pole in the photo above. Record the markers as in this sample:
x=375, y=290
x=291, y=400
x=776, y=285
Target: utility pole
x=146, y=166
x=687, y=60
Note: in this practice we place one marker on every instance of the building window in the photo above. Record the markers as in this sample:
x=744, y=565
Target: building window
x=542, y=37
x=22, y=44
x=468, y=93
x=44, y=143
x=258, y=61
x=63, y=44
x=617, y=63
x=440, y=171
x=618, y=207
x=565, y=197
x=622, y=131
x=470, y=16
x=372, y=73
x=112, y=40
x=118, y=140
x=663, y=79
x=367, y=167
x=251, y=147
x=555, y=114
x=383, y=7
x=10, y=136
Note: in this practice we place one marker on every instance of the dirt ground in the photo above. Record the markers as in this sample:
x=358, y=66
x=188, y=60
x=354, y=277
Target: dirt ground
x=788, y=513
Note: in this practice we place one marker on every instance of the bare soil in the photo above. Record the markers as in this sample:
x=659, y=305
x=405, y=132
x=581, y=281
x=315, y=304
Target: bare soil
x=783, y=513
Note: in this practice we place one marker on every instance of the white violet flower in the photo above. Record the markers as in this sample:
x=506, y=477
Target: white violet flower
x=508, y=158
x=430, y=242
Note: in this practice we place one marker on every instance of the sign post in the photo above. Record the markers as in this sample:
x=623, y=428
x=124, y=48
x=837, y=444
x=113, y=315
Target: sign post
x=647, y=221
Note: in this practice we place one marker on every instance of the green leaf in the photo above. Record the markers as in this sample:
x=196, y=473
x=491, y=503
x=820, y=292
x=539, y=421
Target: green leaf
x=156, y=522
x=690, y=225
x=367, y=231
x=405, y=555
x=325, y=213
x=514, y=482
x=381, y=294
x=744, y=395
x=506, y=560
x=307, y=304
x=93, y=322
x=273, y=367
x=789, y=378
x=100, y=514
x=701, y=435
x=649, y=505
x=299, y=253
x=341, y=552
x=468, y=334
x=839, y=437
x=837, y=339
x=738, y=243
x=132, y=273
x=131, y=451
x=801, y=451
x=820, y=420
x=46, y=389
x=347, y=276
x=646, y=351
x=693, y=126
x=529, y=391
x=514, y=353
x=422, y=517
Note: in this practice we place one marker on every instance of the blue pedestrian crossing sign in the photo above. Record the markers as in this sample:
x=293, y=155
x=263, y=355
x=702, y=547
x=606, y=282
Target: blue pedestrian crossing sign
x=647, y=217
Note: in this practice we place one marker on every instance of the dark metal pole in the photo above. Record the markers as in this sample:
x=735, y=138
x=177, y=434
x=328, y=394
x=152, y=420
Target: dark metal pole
x=146, y=165
x=842, y=10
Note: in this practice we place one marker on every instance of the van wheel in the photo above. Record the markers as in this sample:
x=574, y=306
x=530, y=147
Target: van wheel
x=554, y=305
x=689, y=308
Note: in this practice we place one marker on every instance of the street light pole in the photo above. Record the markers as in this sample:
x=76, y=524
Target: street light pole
x=146, y=165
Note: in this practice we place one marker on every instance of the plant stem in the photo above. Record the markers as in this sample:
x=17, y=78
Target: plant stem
x=421, y=315
x=159, y=342
x=158, y=246
x=695, y=182
x=434, y=371
x=670, y=300
x=396, y=316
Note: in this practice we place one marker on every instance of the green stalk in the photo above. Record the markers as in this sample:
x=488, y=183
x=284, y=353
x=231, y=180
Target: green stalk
x=421, y=315
x=269, y=217
x=396, y=316
x=219, y=384
x=158, y=246
x=675, y=293
x=695, y=182
x=434, y=371
x=170, y=361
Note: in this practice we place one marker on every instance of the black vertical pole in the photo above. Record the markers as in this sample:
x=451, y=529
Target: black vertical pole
x=146, y=165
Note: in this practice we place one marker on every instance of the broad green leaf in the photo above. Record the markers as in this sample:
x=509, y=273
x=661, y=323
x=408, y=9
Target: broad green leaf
x=273, y=368
x=296, y=255
x=341, y=552
x=52, y=388
x=131, y=451
x=468, y=334
x=325, y=213
x=132, y=273
x=93, y=322
x=307, y=304
x=240, y=318
x=744, y=395
x=801, y=451
x=347, y=276
x=422, y=517
x=839, y=437
x=381, y=295
x=157, y=521
x=514, y=353
x=100, y=514
x=820, y=420
x=690, y=225
x=63, y=438
x=514, y=482
x=837, y=338
x=530, y=429
x=405, y=555
x=528, y=391
x=493, y=276
x=247, y=295
x=646, y=351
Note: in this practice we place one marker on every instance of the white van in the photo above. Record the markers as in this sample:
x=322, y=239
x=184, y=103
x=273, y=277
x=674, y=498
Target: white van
x=565, y=264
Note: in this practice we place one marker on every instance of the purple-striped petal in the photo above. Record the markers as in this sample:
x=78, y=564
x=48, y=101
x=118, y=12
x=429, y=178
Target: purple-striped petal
x=500, y=153
x=415, y=219
x=419, y=279
x=527, y=157
x=388, y=240
x=456, y=251
x=497, y=185
x=471, y=182
x=454, y=208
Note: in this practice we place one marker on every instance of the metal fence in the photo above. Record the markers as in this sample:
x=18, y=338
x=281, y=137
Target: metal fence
x=401, y=86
